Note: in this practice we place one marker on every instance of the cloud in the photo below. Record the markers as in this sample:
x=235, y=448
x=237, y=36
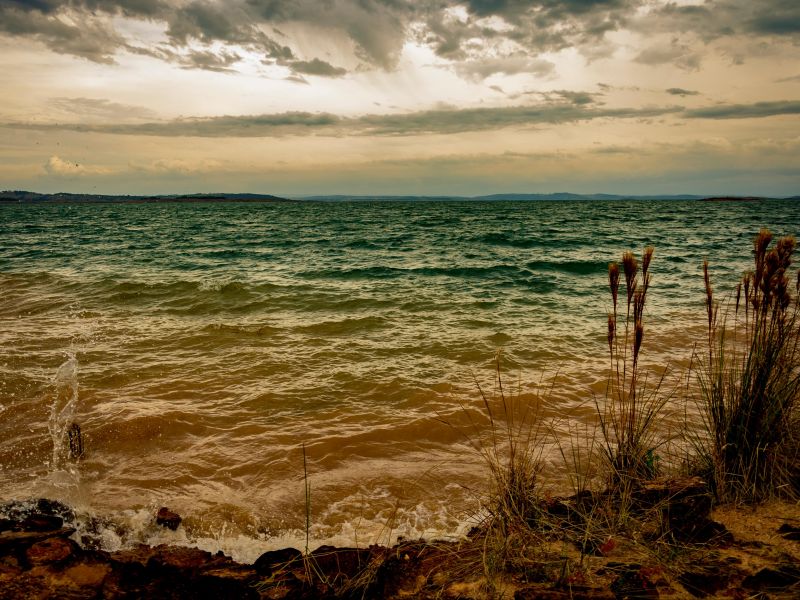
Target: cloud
x=377, y=27
x=93, y=39
x=574, y=107
x=428, y=122
x=775, y=17
x=675, y=91
x=723, y=18
x=316, y=67
x=98, y=109
x=481, y=37
x=59, y=167
x=210, y=61
x=144, y=8
x=210, y=22
x=579, y=98
x=681, y=55
x=745, y=111
x=509, y=65
x=179, y=166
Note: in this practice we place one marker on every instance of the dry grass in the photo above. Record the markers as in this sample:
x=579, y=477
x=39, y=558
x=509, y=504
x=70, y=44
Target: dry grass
x=629, y=414
x=750, y=382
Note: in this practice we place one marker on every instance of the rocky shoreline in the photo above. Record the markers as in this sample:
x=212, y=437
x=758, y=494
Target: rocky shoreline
x=41, y=557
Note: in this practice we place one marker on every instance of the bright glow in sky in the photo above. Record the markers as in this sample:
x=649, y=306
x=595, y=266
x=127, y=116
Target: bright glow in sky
x=399, y=97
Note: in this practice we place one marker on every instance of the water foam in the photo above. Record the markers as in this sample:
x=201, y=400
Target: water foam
x=62, y=411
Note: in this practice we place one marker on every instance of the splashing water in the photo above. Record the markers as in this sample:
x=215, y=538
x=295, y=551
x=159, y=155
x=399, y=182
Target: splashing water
x=62, y=412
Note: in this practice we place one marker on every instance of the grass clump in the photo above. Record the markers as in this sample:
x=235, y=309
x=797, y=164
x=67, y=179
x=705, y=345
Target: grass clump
x=507, y=432
x=512, y=454
x=631, y=408
x=750, y=381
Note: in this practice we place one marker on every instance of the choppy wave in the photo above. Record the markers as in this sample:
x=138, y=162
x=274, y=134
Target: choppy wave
x=213, y=341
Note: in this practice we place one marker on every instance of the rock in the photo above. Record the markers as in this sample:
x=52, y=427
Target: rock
x=338, y=563
x=40, y=522
x=278, y=560
x=18, y=511
x=685, y=506
x=26, y=538
x=166, y=518
x=771, y=580
x=634, y=581
x=139, y=554
x=711, y=577
x=789, y=532
x=179, y=558
x=571, y=593
x=51, y=550
x=88, y=574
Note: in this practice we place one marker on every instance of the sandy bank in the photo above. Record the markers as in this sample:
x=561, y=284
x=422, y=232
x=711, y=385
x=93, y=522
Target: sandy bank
x=677, y=549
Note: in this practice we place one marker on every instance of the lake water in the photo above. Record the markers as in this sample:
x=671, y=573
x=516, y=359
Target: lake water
x=199, y=346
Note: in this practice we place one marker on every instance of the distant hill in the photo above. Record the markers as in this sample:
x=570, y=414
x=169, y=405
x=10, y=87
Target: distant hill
x=497, y=197
x=34, y=198
x=737, y=199
x=569, y=196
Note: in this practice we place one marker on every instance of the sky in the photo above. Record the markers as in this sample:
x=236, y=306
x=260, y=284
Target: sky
x=398, y=97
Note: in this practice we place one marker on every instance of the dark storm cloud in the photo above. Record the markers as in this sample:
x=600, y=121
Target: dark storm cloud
x=378, y=29
x=210, y=61
x=429, y=122
x=681, y=55
x=681, y=92
x=93, y=39
x=546, y=25
x=775, y=17
x=209, y=22
x=745, y=111
x=143, y=8
x=316, y=67
x=511, y=8
x=27, y=5
x=720, y=18
x=579, y=98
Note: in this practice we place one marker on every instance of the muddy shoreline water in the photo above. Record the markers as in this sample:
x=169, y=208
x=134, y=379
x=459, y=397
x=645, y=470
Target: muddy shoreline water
x=730, y=553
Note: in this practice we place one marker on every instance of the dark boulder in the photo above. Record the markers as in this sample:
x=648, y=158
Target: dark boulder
x=166, y=518
x=278, y=560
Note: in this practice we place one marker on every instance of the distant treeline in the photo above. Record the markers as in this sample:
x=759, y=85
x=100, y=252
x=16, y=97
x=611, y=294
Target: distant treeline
x=35, y=198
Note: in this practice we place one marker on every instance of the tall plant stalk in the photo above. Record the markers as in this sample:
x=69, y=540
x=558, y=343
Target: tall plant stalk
x=629, y=413
x=750, y=384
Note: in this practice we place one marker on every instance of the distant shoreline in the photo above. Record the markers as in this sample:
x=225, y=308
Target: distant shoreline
x=26, y=197
x=60, y=198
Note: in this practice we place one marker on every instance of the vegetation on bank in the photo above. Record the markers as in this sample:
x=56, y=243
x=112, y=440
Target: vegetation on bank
x=747, y=450
x=750, y=381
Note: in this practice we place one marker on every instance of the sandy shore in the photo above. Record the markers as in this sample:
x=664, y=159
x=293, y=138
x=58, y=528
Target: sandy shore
x=673, y=548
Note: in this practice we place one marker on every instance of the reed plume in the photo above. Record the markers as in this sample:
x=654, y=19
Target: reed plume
x=629, y=412
x=750, y=385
